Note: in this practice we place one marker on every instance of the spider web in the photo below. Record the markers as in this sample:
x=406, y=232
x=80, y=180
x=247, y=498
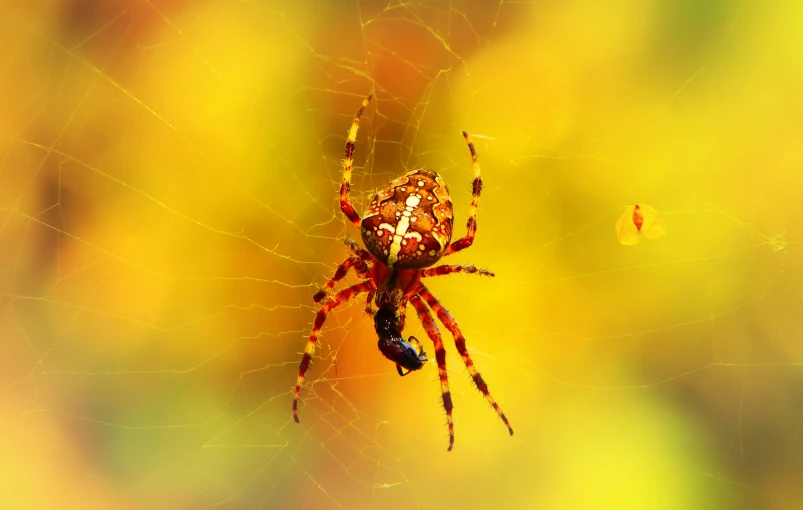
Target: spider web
x=168, y=180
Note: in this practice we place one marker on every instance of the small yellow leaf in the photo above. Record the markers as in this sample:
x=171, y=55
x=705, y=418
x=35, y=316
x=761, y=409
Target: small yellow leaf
x=639, y=218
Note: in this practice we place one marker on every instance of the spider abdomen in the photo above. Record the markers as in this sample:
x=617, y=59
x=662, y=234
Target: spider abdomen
x=408, y=224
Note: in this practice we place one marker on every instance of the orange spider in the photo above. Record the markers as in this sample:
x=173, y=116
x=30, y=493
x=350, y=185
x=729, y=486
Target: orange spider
x=406, y=229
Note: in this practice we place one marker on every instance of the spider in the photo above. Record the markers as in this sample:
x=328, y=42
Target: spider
x=406, y=230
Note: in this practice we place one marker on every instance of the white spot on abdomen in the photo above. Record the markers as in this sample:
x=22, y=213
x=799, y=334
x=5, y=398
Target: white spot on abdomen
x=412, y=201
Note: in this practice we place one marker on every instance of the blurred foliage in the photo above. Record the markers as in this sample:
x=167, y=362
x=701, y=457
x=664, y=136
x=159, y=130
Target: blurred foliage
x=168, y=206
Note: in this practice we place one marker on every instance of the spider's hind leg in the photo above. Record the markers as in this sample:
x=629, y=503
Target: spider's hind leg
x=440, y=357
x=460, y=342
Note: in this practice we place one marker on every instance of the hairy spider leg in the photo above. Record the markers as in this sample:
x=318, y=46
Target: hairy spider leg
x=360, y=267
x=460, y=342
x=345, y=186
x=334, y=301
x=359, y=251
x=369, y=308
x=449, y=269
x=476, y=189
x=440, y=357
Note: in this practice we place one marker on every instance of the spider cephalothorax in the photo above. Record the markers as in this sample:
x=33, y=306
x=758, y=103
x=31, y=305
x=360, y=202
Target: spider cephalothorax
x=406, y=229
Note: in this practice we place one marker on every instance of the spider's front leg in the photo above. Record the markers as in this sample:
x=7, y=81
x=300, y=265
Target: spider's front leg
x=333, y=302
x=345, y=186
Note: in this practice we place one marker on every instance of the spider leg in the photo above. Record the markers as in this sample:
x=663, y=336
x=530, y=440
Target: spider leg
x=460, y=342
x=440, y=357
x=354, y=261
x=449, y=269
x=358, y=251
x=341, y=297
x=476, y=187
x=345, y=186
x=369, y=309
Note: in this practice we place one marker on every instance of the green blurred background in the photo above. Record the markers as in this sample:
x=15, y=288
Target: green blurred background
x=168, y=206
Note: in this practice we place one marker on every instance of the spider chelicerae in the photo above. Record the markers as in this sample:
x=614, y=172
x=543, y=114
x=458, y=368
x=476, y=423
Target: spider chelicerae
x=406, y=229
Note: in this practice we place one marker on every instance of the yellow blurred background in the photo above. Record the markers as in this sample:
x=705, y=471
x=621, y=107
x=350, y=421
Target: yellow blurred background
x=168, y=206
